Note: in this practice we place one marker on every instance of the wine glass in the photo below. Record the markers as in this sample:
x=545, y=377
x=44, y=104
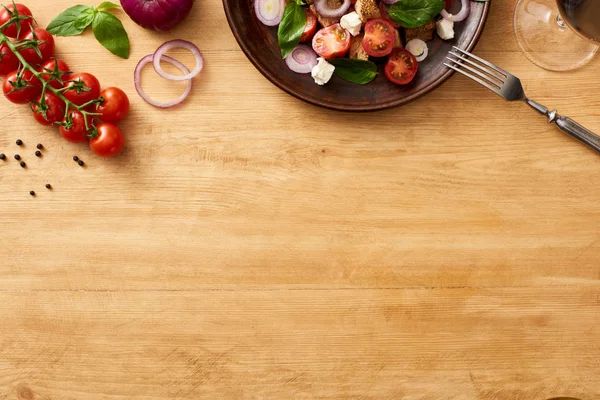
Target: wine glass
x=558, y=35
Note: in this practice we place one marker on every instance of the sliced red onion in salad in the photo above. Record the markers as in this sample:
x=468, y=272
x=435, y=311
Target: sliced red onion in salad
x=269, y=12
x=389, y=2
x=325, y=11
x=302, y=59
x=461, y=15
x=178, y=44
x=418, y=48
x=138, y=81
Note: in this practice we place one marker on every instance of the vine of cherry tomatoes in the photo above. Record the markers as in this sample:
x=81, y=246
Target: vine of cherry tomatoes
x=57, y=96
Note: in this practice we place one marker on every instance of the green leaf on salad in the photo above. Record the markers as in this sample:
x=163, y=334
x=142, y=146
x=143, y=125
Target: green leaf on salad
x=107, y=5
x=109, y=31
x=415, y=13
x=291, y=27
x=354, y=70
x=64, y=23
x=84, y=19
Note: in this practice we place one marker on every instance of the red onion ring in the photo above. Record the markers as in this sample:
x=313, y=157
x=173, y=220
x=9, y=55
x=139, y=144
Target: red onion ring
x=268, y=19
x=137, y=78
x=325, y=11
x=390, y=2
x=302, y=59
x=178, y=44
x=461, y=15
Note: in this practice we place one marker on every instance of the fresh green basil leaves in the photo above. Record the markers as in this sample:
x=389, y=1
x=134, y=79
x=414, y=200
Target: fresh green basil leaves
x=415, y=13
x=354, y=70
x=291, y=27
x=107, y=28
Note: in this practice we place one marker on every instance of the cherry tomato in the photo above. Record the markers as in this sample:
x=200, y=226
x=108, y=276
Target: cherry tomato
x=311, y=26
x=45, y=45
x=25, y=20
x=54, y=71
x=82, y=88
x=379, y=37
x=75, y=131
x=448, y=4
x=331, y=42
x=109, y=142
x=115, y=105
x=401, y=67
x=21, y=91
x=383, y=9
x=8, y=61
x=54, y=108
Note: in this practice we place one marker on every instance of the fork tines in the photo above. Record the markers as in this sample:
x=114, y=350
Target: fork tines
x=481, y=71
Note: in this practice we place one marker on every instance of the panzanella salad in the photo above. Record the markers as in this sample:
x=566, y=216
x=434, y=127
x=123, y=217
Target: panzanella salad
x=344, y=37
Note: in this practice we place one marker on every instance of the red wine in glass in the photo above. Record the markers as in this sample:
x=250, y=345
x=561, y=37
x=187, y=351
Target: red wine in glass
x=583, y=16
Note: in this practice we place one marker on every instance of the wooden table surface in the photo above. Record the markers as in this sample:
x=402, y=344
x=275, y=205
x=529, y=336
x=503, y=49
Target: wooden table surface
x=249, y=246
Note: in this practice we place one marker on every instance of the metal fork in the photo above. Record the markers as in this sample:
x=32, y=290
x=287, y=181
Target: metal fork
x=509, y=87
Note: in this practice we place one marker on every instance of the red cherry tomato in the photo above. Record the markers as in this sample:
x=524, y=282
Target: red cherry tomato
x=45, y=45
x=448, y=4
x=109, y=142
x=54, y=108
x=311, y=26
x=82, y=88
x=401, y=67
x=331, y=42
x=74, y=130
x=379, y=37
x=25, y=20
x=115, y=105
x=8, y=61
x=54, y=72
x=21, y=91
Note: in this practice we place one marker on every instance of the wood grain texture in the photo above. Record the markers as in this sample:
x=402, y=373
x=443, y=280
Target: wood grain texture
x=250, y=246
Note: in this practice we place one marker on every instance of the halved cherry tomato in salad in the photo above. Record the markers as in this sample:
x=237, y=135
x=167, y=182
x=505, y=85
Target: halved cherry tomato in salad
x=331, y=42
x=21, y=91
x=383, y=9
x=54, y=108
x=448, y=4
x=401, y=67
x=45, y=45
x=53, y=70
x=115, y=105
x=379, y=37
x=82, y=88
x=74, y=130
x=311, y=26
x=109, y=141
x=8, y=61
x=25, y=22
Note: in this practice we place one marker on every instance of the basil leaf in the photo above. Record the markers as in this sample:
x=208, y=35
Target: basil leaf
x=84, y=19
x=354, y=70
x=291, y=27
x=63, y=24
x=109, y=31
x=415, y=13
x=107, y=5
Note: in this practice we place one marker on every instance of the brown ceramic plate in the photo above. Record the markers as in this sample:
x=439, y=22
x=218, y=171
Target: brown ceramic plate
x=259, y=43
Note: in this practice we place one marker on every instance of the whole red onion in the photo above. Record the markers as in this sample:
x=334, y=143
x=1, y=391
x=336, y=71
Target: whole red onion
x=158, y=15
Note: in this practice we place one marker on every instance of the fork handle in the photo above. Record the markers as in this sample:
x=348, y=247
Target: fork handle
x=568, y=126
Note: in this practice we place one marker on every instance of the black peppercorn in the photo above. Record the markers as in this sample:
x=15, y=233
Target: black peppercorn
x=40, y=146
x=81, y=163
x=19, y=142
x=75, y=158
x=17, y=157
x=38, y=153
x=48, y=186
x=22, y=164
x=2, y=156
x=32, y=193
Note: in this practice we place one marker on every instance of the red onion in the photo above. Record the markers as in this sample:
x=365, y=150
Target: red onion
x=302, y=59
x=325, y=11
x=158, y=15
x=177, y=44
x=138, y=81
x=461, y=15
x=390, y=1
x=269, y=12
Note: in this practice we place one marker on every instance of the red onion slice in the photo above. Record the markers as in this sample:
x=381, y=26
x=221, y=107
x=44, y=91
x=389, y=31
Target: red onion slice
x=325, y=11
x=178, y=44
x=137, y=78
x=302, y=59
x=461, y=15
x=269, y=12
x=389, y=2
